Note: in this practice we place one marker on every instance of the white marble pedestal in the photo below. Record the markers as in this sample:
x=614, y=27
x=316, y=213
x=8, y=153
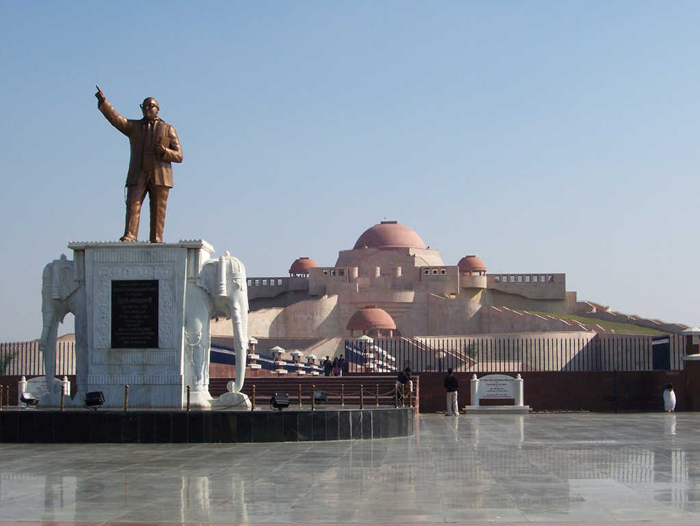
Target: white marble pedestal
x=135, y=307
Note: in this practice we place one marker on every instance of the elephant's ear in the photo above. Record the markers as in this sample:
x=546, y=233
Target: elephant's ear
x=237, y=272
x=206, y=276
x=64, y=283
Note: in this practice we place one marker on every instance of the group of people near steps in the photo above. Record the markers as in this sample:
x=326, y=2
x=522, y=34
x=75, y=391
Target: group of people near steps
x=334, y=367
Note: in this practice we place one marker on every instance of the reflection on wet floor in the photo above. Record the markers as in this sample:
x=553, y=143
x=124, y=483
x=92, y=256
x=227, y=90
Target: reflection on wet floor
x=551, y=467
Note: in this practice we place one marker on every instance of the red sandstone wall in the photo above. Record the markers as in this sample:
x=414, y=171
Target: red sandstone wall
x=220, y=370
x=590, y=391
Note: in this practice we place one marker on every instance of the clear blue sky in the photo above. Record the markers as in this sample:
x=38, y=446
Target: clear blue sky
x=556, y=136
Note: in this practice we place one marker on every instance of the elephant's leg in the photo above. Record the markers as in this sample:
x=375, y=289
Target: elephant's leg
x=81, y=347
x=206, y=339
x=193, y=338
x=202, y=355
x=47, y=344
x=197, y=313
x=198, y=363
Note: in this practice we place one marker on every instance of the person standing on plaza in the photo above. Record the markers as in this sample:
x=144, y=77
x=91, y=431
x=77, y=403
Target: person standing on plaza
x=669, y=398
x=451, y=386
x=327, y=366
x=341, y=364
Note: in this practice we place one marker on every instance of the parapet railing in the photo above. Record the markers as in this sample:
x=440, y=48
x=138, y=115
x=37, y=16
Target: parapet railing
x=313, y=397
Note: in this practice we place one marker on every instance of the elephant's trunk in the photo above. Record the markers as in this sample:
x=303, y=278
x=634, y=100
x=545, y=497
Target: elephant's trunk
x=221, y=284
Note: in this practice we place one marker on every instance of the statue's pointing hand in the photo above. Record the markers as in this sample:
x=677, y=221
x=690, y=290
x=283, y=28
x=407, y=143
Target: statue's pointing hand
x=100, y=96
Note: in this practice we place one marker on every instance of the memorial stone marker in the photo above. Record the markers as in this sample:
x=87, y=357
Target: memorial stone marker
x=497, y=387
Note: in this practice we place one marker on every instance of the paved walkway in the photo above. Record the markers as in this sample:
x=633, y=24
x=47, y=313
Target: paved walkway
x=542, y=468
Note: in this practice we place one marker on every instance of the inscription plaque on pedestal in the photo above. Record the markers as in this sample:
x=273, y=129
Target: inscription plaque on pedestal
x=135, y=314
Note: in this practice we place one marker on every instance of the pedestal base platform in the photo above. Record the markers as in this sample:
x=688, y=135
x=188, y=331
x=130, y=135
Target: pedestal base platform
x=101, y=426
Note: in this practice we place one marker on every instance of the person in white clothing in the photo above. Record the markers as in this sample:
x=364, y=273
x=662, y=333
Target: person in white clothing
x=669, y=398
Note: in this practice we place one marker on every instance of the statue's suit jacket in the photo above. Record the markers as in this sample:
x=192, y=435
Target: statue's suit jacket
x=135, y=129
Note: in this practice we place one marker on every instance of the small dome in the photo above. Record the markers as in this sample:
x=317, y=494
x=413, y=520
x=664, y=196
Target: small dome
x=389, y=234
x=302, y=266
x=471, y=264
x=370, y=318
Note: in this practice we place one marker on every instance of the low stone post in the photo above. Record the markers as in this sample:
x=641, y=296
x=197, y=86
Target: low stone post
x=65, y=386
x=519, y=384
x=475, y=390
x=296, y=356
x=252, y=359
x=21, y=389
x=311, y=362
x=277, y=352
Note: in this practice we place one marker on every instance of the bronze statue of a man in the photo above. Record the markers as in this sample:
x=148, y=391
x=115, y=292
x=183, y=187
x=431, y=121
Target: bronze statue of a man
x=154, y=146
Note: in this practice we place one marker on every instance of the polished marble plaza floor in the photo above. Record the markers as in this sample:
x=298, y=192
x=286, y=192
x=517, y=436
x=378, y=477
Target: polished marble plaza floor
x=576, y=468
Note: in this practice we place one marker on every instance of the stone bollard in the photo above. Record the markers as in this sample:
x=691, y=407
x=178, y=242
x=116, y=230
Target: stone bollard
x=298, y=367
x=21, y=389
x=474, y=390
x=519, y=398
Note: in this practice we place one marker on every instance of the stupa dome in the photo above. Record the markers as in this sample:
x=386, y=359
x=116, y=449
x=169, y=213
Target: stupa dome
x=370, y=318
x=302, y=266
x=471, y=264
x=389, y=234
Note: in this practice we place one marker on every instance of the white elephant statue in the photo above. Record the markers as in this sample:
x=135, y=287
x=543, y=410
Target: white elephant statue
x=62, y=293
x=219, y=290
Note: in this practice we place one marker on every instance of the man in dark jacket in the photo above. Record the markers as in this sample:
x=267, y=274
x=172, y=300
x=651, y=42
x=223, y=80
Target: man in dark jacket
x=451, y=386
x=404, y=384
